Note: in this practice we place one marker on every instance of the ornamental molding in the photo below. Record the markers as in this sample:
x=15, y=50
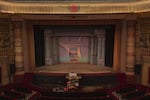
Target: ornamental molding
x=74, y=7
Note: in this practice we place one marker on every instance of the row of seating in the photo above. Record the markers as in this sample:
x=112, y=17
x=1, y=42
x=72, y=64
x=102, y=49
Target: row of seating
x=126, y=92
x=30, y=91
x=145, y=97
x=72, y=98
x=97, y=95
x=74, y=94
x=14, y=92
x=131, y=92
x=2, y=97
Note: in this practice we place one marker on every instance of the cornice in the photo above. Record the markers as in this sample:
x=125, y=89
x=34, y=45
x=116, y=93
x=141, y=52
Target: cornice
x=74, y=7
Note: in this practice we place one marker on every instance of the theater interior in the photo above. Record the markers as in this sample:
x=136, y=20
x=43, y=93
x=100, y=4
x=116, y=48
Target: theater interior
x=74, y=49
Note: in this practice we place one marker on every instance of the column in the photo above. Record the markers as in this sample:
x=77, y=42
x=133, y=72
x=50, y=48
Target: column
x=89, y=50
x=138, y=51
x=131, y=26
x=48, y=47
x=5, y=40
x=117, y=44
x=99, y=51
x=123, y=46
x=55, y=50
x=11, y=35
x=25, y=46
x=95, y=50
x=92, y=46
x=18, y=47
x=101, y=47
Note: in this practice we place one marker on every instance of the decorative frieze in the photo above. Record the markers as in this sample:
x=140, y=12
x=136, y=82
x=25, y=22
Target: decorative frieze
x=74, y=7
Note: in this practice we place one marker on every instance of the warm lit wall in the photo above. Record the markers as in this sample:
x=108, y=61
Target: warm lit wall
x=143, y=49
x=6, y=50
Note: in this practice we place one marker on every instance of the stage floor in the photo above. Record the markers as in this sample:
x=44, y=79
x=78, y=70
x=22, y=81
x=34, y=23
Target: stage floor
x=77, y=68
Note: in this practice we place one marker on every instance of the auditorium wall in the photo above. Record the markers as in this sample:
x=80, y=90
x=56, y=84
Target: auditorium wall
x=143, y=49
x=6, y=50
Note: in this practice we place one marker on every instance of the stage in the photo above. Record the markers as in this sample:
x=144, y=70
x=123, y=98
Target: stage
x=74, y=67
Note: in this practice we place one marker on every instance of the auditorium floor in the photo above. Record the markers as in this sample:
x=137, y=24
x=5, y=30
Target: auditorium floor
x=77, y=68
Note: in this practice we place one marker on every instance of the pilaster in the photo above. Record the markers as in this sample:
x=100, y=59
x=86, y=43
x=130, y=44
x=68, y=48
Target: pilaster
x=92, y=46
x=48, y=47
x=123, y=46
x=131, y=28
x=101, y=47
x=19, y=61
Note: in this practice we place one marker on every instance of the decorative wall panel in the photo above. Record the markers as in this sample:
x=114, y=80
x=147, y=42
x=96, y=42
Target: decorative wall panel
x=144, y=36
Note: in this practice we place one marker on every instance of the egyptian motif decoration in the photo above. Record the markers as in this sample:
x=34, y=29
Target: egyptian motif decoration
x=4, y=40
x=145, y=40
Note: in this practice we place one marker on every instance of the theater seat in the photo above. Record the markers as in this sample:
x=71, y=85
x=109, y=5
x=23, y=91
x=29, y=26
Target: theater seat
x=6, y=98
x=13, y=94
x=126, y=89
x=147, y=97
x=134, y=94
x=22, y=89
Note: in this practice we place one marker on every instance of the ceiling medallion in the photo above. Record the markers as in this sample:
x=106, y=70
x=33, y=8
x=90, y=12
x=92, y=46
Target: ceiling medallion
x=74, y=8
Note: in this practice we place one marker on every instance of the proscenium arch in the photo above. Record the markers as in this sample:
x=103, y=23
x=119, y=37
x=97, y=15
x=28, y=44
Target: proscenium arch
x=116, y=57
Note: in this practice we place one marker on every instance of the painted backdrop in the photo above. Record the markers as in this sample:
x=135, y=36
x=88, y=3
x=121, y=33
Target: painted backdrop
x=73, y=49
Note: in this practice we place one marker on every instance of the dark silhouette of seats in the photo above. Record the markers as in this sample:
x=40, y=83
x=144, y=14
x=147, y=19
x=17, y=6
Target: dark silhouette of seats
x=126, y=89
x=22, y=89
x=146, y=97
x=73, y=98
x=97, y=95
x=75, y=94
x=5, y=98
x=134, y=94
x=13, y=94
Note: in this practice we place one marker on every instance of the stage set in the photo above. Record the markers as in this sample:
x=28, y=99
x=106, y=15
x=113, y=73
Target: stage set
x=77, y=68
x=74, y=48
